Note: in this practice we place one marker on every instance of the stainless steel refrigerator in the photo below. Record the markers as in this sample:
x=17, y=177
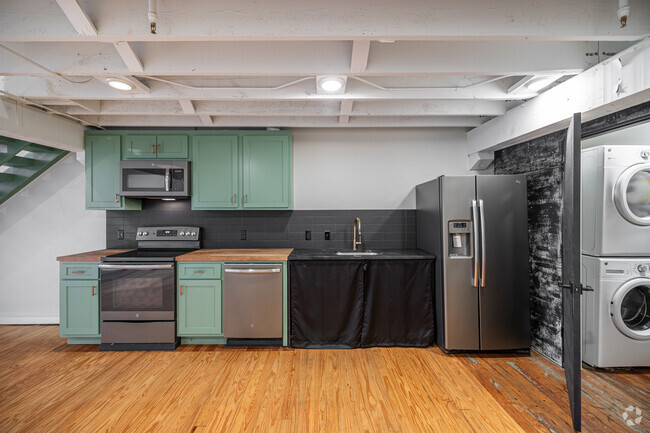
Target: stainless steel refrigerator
x=477, y=228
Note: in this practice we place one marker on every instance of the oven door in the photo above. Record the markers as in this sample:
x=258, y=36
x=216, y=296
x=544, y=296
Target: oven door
x=137, y=292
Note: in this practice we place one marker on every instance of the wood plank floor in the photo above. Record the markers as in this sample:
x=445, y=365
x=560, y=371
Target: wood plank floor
x=48, y=386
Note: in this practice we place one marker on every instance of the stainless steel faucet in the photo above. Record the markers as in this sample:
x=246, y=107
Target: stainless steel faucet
x=355, y=232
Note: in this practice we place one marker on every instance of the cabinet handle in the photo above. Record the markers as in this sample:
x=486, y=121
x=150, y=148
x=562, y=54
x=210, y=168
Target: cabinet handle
x=234, y=198
x=152, y=148
x=245, y=198
x=199, y=272
x=115, y=197
x=78, y=272
x=157, y=148
x=92, y=290
x=181, y=289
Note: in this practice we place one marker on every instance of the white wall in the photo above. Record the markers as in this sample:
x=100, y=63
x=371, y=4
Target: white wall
x=45, y=220
x=371, y=168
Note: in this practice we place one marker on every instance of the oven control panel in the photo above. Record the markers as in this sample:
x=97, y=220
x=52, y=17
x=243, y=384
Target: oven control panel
x=179, y=233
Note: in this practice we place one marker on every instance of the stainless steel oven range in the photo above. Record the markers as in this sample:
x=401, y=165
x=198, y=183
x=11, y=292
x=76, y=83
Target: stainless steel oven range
x=138, y=290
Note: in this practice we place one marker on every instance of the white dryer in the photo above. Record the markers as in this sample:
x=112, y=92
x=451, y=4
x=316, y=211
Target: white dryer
x=616, y=315
x=616, y=201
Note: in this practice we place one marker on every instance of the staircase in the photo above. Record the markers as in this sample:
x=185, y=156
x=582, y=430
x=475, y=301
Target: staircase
x=21, y=162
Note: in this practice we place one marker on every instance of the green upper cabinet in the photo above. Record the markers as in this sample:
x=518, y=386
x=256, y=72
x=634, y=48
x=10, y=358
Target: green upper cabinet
x=243, y=170
x=103, y=174
x=266, y=167
x=215, y=172
x=138, y=146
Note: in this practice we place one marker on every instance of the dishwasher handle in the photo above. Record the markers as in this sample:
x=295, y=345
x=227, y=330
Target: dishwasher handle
x=254, y=271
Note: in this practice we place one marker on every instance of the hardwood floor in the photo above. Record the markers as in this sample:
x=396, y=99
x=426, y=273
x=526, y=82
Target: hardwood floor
x=48, y=386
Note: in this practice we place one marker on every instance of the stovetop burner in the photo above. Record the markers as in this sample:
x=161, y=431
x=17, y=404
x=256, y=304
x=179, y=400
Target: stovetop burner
x=160, y=244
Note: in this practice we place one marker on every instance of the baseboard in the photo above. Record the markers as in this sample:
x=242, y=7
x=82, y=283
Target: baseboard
x=28, y=320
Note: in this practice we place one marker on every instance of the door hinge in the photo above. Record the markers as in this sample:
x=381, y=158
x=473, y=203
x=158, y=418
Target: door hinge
x=579, y=288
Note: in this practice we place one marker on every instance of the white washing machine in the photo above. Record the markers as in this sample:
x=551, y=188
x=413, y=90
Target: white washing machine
x=616, y=315
x=616, y=201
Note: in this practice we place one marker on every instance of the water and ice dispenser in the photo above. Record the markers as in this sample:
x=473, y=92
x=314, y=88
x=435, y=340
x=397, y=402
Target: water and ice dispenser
x=460, y=238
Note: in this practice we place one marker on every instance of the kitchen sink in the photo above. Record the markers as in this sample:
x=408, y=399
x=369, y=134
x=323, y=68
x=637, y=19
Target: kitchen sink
x=356, y=253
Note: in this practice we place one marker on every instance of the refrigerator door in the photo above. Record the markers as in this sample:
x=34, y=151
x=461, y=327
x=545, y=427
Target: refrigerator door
x=460, y=297
x=504, y=291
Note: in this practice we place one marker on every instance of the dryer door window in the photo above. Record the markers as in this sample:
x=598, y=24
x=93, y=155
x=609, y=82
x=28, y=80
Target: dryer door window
x=631, y=309
x=632, y=194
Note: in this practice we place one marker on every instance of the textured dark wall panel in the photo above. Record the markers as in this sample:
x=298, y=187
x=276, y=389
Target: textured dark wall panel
x=268, y=229
x=541, y=160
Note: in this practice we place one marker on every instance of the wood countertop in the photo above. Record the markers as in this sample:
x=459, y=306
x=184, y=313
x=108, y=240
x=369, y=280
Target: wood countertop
x=90, y=256
x=223, y=255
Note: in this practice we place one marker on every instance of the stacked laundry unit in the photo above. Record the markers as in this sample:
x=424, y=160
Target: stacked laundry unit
x=616, y=256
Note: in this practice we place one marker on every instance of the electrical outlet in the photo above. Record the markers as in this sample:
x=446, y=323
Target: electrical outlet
x=327, y=235
x=120, y=235
x=307, y=235
x=242, y=235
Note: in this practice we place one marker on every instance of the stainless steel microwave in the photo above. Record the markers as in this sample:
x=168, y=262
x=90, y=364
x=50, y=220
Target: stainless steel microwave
x=154, y=178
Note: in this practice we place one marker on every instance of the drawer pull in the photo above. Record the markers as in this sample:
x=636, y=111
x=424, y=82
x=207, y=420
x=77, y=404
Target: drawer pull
x=152, y=148
x=92, y=290
x=245, y=198
x=200, y=272
x=234, y=198
x=78, y=272
x=116, y=198
x=181, y=289
x=158, y=148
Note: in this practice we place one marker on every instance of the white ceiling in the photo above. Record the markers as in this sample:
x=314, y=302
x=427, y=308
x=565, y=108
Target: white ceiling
x=251, y=63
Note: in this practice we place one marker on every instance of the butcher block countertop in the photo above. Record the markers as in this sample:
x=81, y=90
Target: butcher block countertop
x=236, y=255
x=90, y=256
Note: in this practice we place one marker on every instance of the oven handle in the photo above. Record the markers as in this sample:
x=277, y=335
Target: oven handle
x=145, y=267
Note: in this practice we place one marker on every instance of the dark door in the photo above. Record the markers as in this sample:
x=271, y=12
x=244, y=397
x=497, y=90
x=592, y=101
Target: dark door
x=503, y=265
x=571, y=358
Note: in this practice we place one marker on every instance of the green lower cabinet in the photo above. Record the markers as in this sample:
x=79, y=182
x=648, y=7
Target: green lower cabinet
x=79, y=309
x=199, y=308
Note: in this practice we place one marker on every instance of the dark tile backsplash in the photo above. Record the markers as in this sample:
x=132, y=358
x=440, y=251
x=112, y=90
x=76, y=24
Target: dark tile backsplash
x=380, y=229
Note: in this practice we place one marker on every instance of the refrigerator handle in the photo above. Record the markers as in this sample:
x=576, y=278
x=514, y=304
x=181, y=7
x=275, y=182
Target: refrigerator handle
x=481, y=209
x=475, y=231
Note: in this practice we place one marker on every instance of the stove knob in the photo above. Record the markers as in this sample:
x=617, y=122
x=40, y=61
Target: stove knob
x=139, y=233
x=642, y=269
x=193, y=233
x=182, y=233
x=145, y=233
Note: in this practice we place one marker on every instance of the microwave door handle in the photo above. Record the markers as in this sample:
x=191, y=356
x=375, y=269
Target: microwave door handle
x=167, y=179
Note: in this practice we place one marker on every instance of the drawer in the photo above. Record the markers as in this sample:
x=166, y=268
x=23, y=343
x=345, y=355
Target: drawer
x=200, y=270
x=79, y=270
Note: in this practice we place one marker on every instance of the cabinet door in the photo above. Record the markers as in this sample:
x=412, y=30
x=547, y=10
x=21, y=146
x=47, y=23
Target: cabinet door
x=215, y=172
x=139, y=147
x=266, y=172
x=172, y=147
x=103, y=172
x=79, y=308
x=199, y=308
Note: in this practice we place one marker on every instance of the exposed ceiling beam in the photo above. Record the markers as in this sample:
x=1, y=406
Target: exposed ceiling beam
x=129, y=57
x=77, y=17
x=92, y=106
x=206, y=119
x=56, y=88
x=28, y=124
x=200, y=20
x=186, y=106
x=346, y=109
x=298, y=59
x=613, y=85
x=359, y=60
x=281, y=122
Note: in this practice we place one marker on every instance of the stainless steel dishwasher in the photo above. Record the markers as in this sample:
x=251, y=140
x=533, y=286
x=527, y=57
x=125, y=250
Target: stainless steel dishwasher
x=252, y=300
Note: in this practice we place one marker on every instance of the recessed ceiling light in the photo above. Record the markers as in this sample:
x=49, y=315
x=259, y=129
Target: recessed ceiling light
x=118, y=84
x=331, y=84
x=538, y=83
